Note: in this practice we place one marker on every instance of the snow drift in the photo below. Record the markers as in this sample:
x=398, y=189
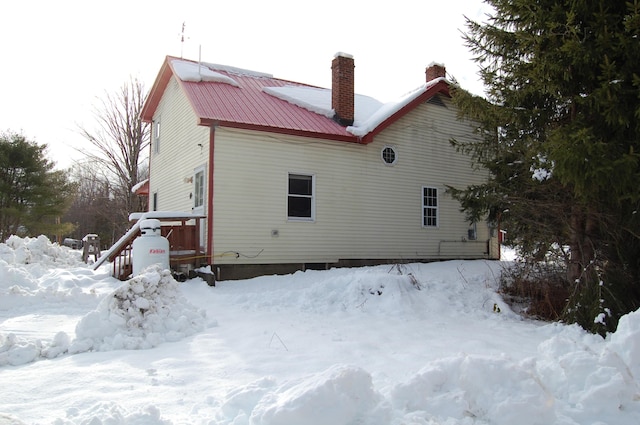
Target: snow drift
x=398, y=344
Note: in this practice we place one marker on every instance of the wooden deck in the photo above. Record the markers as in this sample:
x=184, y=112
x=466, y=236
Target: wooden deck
x=182, y=230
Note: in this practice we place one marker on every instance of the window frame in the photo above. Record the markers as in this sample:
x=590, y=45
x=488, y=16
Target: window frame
x=425, y=207
x=199, y=196
x=472, y=232
x=312, y=197
x=156, y=136
x=395, y=155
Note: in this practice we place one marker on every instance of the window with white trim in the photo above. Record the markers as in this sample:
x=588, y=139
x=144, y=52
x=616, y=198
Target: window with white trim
x=429, y=207
x=156, y=136
x=198, y=189
x=154, y=203
x=388, y=155
x=300, y=197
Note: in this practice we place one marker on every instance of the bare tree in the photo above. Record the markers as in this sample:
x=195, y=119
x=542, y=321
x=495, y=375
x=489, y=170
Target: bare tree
x=118, y=145
x=93, y=205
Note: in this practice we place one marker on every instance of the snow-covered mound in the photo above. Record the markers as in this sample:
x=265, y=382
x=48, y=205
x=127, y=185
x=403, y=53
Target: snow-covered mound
x=35, y=273
x=143, y=313
x=403, y=291
x=33, y=269
x=343, y=395
x=411, y=344
x=38, y=251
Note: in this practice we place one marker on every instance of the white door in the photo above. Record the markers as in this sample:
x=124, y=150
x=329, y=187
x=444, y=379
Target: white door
x=199, y=191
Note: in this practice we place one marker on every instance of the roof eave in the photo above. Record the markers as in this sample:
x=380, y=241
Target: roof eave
x=279, y=130
x=156, y=92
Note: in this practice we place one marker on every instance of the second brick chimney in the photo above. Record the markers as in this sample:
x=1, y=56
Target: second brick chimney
x=342, y=88
x=435, y=70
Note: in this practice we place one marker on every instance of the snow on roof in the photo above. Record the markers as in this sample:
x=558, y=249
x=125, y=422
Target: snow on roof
x=369, y=112
x=164, y=215
x=388, y=109
x=196, y=72
x=313, y=99
x=135, y=188
x=318, y=100
x=236, y=70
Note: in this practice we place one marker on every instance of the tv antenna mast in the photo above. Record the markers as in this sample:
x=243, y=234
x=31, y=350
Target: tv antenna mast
x=182, y=40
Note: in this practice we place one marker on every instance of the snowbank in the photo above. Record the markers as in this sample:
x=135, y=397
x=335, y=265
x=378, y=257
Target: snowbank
x=344, y=394
x=143, y=313
x=578, y=378
x=35, y=271
x=495, y=389
x=38, y=252
x=412, y=344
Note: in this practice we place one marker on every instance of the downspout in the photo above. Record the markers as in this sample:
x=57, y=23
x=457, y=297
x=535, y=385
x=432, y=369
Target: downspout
x=212, y=134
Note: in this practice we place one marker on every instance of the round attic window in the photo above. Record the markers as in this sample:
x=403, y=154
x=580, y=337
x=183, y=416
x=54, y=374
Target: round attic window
x=389, y=155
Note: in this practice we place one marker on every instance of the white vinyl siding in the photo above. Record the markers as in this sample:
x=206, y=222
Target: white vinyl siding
x=364, y=209
x=173, y=169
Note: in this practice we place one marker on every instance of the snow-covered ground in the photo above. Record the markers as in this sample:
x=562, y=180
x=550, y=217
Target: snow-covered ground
x=406, y=344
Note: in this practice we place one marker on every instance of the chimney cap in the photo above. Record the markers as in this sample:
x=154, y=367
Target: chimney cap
x=435, y=70
x=343, y=54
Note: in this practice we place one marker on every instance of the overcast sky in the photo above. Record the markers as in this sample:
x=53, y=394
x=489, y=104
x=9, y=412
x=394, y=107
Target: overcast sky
x=59, y=58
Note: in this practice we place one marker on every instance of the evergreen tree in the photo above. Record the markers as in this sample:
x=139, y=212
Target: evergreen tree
x=560, y=137
x=32, y=194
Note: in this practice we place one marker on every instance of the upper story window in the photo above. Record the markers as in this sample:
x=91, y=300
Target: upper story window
x=389, y=155
x=156, y=136
x=300, y=197
x=429, y=207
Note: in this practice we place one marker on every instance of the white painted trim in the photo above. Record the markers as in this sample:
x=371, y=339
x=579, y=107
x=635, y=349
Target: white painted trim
x=313, y=197
x=423, y=206
x=395, y=153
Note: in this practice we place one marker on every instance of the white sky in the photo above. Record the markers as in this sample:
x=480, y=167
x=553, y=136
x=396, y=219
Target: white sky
x=60, y=58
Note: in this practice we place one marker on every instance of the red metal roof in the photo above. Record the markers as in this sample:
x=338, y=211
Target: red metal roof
x=248, y=106
x=143, y=190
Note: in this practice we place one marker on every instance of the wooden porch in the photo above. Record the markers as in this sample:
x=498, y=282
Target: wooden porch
x=182, y=230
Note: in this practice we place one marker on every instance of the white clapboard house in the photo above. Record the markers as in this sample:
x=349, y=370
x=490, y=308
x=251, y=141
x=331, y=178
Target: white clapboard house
x=290, y=176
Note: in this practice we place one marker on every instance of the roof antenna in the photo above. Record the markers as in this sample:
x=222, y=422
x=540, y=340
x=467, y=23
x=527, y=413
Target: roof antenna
x=182, y=40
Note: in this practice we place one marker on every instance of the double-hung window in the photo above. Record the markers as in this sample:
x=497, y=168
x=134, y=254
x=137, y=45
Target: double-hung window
x=156, y=136
x=300, y=197
x=429, y=207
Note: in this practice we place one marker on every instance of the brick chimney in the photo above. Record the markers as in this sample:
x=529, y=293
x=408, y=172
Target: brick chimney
x=435, y=70
x=342, y=88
